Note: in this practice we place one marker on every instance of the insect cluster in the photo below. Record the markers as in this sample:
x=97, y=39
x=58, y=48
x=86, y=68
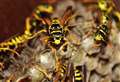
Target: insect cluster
x=67, y=42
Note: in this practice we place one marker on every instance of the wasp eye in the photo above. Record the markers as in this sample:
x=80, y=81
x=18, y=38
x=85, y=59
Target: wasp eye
x=55, y=26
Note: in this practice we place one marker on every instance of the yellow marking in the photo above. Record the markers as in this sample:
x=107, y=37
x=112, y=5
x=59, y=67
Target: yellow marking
x=55, y=31
x=62, y=74
x=77, y=74
x=25, y=37
x=20, y=38
x=78, y=78
x=13, y=41
x=104, y=19
x=43, y=8
x=55, y=21
x=102, y=5
x=64, y=67
x=57, y=41
x=109, y=9
x=76, y=71
x=34, y=24
x=28, y=27
x=10, y=78
x=36, y=16
x=17, y=39
x=99, y=37
x=62, y=71
x=30, y=37
x=117, y=14
x=38, y=11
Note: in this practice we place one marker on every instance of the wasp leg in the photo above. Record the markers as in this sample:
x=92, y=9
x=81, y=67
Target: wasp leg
x=43, y=71
x=88, y=34
x=1, y=66
x=28, y=27
x=11, y=50
x=59, y=72
x=56, y=78
x=56, y=59
x=96, y=45
x=36, y=34
x=54, y=53
x=57, y=63
x=64, y=46
x=44, y=40
x=10, y=78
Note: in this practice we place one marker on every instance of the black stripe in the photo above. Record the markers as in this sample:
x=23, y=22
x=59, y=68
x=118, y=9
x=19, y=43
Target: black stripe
x=104, y=28
x=79, y=68
x=102, y=34
x=63, y=69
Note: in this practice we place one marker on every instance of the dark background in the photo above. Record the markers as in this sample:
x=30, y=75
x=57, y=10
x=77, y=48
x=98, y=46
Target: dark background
x=12, y=16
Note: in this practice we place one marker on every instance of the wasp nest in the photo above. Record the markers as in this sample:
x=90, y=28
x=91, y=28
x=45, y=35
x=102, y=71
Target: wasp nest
x=102, y=63
x=37, y=63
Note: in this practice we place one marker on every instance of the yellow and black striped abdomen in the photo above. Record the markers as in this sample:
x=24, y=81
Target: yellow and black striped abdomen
x=101, y=35
x=63, y=70
x=15, y=41
x=78, y=74
x=56, y=34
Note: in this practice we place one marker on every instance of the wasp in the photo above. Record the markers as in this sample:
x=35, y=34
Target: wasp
x=13, y=43
x=35, y=21
x=80, y=74
x=70, y=73
x=116, y=17
x=10, y=46
x=57, y=30
x=101, y=36
x=74, y=74
x=42, y=11
x=54, y=29
x=56, y=34
x=115, y=14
